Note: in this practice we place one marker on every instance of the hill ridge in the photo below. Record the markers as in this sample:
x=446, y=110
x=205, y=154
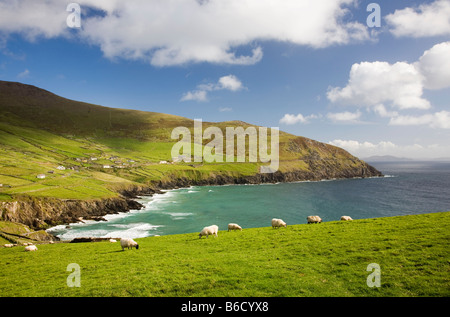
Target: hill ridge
x=53, y=148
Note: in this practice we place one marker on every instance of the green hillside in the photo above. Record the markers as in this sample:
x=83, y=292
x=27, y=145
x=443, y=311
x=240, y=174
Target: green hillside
x=326, y=259
x=106, y=150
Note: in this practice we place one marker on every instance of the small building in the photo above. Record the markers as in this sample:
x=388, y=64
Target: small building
x=40, y=176
x=107, y=166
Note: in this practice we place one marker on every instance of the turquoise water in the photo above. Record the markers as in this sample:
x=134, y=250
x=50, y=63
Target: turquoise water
x=407, y=188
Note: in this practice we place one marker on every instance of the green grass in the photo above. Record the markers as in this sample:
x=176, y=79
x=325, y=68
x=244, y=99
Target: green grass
x=327, y=259
x=40, y=131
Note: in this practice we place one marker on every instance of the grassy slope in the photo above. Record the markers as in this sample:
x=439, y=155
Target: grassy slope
x=327, y=259
x=40, y=131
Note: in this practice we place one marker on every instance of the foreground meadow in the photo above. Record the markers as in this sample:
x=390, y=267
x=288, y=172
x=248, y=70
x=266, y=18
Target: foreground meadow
x=327, y=259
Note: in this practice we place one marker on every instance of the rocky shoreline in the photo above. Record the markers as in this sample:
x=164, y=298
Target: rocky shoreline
x=43, y=213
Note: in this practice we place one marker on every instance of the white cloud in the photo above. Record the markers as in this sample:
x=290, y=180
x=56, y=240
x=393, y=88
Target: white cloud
x=344, y=116
x=432, y=19
x=168, y=33
x=374, y=83
x=391, y=89
x=366, y=149
x=24, y=74
x=361, y=149
x=439, y=120
x=382, y=112
x=33, y=19
x=225, y=109
x=198, y=95
x=229, y=82
x=434, y=65
x=291, y=119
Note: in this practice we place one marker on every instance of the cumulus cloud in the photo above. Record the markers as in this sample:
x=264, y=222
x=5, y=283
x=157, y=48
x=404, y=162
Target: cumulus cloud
x=434, y=65
x=33, y=19
x=166, y=33
x=391, y=89
x=291, y=119
x=374, y=83
x=344, y=116
x=439, y=120
x=431, y=19
x=229, y=82
x=366, y=149
x=198, y=95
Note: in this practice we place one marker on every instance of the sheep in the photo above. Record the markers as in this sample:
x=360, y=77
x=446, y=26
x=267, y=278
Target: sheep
x=128, y=243
x=8, y=245
x=346, y=218
x=206, y=231
x=30, y=248
x=314, y=219
x=234, y=226
x=112, y=240
x=276, y=223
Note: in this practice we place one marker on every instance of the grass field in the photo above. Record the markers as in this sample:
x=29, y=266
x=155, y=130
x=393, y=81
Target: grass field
x=328, y=259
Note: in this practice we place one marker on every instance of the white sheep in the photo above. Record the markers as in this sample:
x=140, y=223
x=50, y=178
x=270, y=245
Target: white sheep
x=8, y=245
x=128, y=243
x=234, y=226
x=346, y=218
x=211, y=230
x=30, y=248
x=276, y=223
x=314, y=219
x=112, y=240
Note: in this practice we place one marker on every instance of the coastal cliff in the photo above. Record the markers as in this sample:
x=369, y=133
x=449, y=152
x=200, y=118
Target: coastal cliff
x=42, y=213
x=63, y=160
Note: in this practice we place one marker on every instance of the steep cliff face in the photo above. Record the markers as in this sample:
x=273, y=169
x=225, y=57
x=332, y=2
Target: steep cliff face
x=39, y=213
x=323, y=169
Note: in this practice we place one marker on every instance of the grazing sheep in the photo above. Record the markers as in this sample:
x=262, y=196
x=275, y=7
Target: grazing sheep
x=314, y=219
x=112, y=240
x=30, y=248
x=8, y=245
x=234, y=226
x=346, y=218
x=206, y=231
x=128, y=243
x=276, y=223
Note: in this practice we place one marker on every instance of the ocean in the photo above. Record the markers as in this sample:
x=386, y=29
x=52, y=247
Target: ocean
x=409, y=187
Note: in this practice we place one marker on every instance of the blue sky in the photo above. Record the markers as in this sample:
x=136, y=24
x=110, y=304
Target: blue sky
x=311, y=69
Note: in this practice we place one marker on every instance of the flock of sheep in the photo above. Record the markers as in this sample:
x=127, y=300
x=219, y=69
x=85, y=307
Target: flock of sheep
x=276, y=223
x=213, y=230
x=128, y=243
